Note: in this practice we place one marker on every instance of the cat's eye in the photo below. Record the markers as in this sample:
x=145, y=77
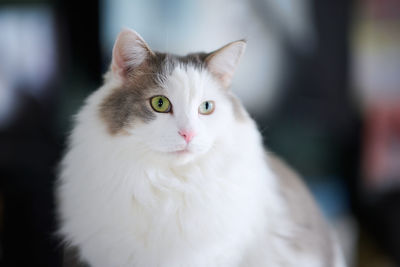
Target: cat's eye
x=160, y=104
x=207, y=107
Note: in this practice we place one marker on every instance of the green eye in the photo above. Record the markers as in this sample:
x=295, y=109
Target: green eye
x=207, y=107
x=160, y=104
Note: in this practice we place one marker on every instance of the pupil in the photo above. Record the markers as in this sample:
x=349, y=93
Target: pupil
x=207, y=105
x=160, y=102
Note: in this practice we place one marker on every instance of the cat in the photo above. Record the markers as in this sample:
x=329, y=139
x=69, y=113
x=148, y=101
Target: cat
x=165, y=167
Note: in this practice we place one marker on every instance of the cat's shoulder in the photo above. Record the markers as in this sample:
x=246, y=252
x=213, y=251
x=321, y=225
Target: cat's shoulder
x=313, y=230
x=288, y=179
x=293, y=189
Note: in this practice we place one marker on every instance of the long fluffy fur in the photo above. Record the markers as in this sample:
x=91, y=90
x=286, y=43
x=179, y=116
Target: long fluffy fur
x=121, y=205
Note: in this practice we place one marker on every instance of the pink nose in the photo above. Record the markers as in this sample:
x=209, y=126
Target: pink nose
x=187, y=135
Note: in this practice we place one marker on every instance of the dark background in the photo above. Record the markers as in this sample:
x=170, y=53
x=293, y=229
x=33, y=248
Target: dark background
x=314, y=124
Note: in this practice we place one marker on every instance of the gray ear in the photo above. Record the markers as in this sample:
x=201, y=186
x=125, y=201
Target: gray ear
x=130, y=51
x=223, y=62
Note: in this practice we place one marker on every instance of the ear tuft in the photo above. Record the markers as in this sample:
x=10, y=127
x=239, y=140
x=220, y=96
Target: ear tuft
x=223, y=62
x=130, y=51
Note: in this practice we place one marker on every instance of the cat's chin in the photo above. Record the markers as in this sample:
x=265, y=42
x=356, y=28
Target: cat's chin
x=185, y=151
x=182, y=157
x=188, y=154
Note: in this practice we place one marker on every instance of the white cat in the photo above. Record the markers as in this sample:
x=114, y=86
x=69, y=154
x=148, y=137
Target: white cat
x=166, y=168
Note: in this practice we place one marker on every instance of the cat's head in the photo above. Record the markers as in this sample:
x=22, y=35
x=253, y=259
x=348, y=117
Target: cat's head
x=177, y=107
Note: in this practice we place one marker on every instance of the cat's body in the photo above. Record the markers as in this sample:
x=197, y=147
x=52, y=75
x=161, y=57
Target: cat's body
x=188, y=186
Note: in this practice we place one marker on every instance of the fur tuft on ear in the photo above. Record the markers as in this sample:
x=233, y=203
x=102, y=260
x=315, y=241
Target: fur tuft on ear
x=130, y=51
x=223, y=62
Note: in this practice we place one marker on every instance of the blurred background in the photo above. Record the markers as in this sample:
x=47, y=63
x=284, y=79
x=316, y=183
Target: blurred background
x=321, y=77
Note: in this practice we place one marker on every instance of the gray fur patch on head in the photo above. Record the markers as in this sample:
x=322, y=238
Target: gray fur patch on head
x=123, y=107
x=170, y=61
x=196, y=60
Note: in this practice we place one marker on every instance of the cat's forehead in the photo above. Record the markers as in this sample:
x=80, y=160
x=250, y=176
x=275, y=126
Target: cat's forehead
x=188, y=82
x=171, y=61
x=184, y=77
x=164, y=64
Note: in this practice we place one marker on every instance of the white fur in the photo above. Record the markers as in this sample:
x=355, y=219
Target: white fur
x=129, y=200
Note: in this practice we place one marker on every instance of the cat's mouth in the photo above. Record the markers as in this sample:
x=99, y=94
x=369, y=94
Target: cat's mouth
x=183, y=151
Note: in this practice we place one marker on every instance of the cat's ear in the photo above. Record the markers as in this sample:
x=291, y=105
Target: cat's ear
x=130, y=52
x=223, y=62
